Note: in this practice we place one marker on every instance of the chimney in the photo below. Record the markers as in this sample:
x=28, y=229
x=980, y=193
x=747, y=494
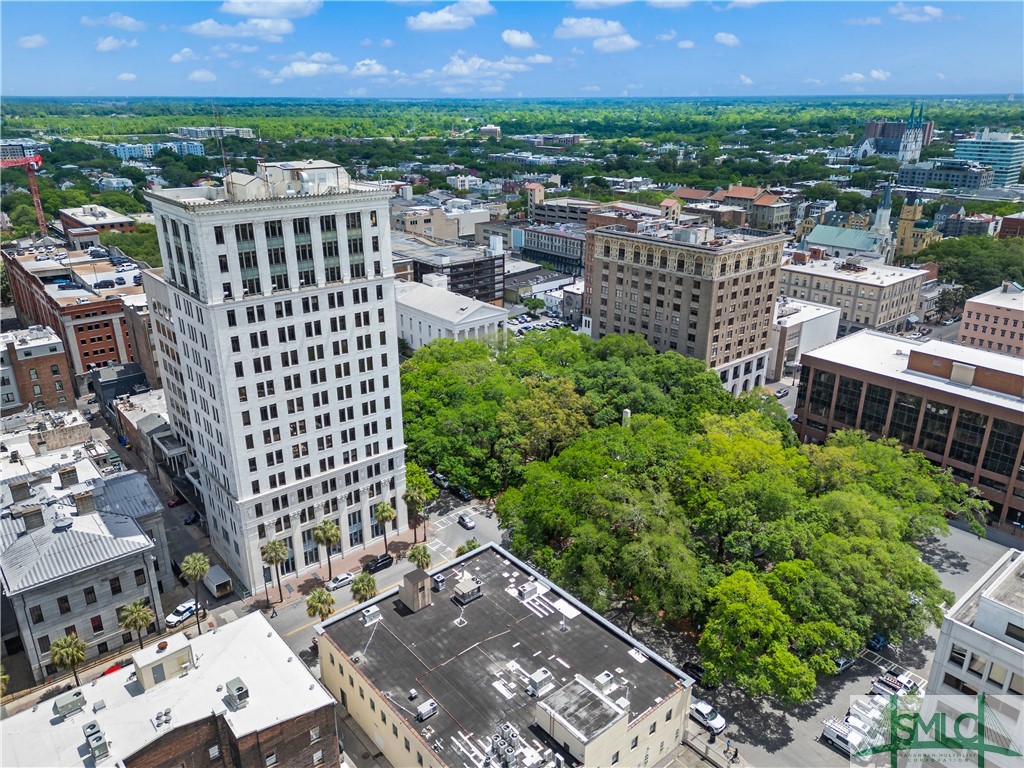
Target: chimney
x=85, y=503
x=68, y=476
x=20, y=491
x=33, y=517
x=1006, y=286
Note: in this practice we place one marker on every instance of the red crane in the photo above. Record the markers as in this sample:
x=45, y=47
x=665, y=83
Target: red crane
x=31, y=164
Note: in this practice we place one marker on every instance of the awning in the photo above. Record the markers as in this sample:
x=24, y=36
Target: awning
x=913, y=319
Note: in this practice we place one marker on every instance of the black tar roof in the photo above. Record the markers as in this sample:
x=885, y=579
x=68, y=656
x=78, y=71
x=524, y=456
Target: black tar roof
x=475, y=661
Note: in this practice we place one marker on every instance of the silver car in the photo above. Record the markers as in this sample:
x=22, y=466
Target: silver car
x=339, y=581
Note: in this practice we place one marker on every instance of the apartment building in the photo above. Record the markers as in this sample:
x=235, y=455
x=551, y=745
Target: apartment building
x=870, y=295
x=559, y=210
x=980, y=650
x=994, y=320
x=705, y=293
x=34, y=371
x=283, y=378
x=216, y=131
x=946, y=172
x=962, y=408
x=233, y=697
x=75, y=546
x=1003, y=152
x=558, y=246
x=508, y=668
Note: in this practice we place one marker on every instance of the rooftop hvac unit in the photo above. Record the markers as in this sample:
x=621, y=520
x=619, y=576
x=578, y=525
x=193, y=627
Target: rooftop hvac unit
x=238, y=693
x=69, y=703
x=528, y=590
x=370, y=616
x=604, y=681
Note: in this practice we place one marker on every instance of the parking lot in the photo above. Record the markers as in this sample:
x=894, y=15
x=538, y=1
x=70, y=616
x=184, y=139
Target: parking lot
x=769, y=735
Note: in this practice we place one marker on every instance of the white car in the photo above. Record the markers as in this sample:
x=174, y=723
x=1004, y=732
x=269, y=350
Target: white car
x=339, y=581
x=184, y=611
x=707, y=716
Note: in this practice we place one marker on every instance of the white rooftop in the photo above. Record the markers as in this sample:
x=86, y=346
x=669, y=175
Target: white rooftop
x=801, y=312
x=135, y=408
x=447, y=307
x=91, y=215
x=1008, y=296
x=280, y=689
x=875, y=274
x=888, y=355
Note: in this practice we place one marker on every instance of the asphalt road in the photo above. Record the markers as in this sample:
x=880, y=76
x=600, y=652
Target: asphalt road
x=771, y=736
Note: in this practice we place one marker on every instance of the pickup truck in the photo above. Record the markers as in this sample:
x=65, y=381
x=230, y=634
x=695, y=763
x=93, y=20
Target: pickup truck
x=893, y=685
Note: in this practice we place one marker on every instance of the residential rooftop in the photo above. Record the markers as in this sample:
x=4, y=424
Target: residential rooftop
x=1007, y=296
x=30, y=338
x=476, y=660
x=280, y=688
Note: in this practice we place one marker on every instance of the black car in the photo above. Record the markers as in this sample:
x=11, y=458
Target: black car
x=462, y=492
x=379, y=563
x=192, y=518
x=696, y=671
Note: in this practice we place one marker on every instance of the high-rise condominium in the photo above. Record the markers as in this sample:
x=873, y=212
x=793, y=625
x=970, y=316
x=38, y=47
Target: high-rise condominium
x=276, y=332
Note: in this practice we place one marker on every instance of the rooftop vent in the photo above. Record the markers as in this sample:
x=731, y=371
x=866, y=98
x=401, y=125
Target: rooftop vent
x=238, y=694
x=370, y=616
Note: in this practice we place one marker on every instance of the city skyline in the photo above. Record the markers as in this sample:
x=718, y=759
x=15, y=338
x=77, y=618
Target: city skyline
x=477, y=48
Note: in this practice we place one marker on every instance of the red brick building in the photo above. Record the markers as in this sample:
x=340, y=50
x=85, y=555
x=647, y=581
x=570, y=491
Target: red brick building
x=34, y=371
x=95, y=217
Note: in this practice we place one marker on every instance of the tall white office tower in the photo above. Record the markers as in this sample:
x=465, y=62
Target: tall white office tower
x=276, y=329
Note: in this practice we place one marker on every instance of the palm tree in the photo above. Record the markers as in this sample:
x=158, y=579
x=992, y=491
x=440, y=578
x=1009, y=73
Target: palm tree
x=419, y=491
x=68, y=652
x=195, y=567
x=384, y=513
x=5, y=680
x=364, y=587
x=467, y=547
x=419, y=556
x=320, y=603
x=136, y=616
x=327, y=534
x=275, y=552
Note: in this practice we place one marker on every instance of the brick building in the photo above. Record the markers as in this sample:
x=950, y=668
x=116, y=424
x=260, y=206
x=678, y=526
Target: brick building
x=962, y=408
x=34, y=371
x=236, y=697
x=994, y=320
x=95, y=217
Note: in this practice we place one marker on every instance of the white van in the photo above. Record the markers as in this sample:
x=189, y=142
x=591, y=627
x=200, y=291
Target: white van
x=842, y=736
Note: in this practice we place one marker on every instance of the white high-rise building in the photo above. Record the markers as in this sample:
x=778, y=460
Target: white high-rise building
x=278, y=340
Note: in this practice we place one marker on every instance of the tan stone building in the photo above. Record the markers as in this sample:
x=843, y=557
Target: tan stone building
x=870, y=295
x=995, y=320
x=705, y=293
x=914, y=233
x=483, y=657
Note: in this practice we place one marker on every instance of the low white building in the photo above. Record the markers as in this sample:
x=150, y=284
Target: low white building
x=463, y=182
x=798, y=327
x=428, y=311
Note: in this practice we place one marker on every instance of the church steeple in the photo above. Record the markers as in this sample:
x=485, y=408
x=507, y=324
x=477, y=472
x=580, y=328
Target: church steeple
x=881, y=223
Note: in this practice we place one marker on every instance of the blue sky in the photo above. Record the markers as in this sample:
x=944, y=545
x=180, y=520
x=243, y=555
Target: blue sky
x=482, y=48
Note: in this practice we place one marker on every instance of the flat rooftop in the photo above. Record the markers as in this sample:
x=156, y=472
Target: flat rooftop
x=93, y=215
x=280, y=689
x=797, y=312
x=725, y=239
x=888, y=355
x=425, y=250
x=476, y=661
x=1009, y=297
x=1003, y=584
x=30, y=338
x=872, y=274
x=78, y=267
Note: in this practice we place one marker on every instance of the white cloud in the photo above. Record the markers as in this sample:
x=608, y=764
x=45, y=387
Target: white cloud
x=587, y=26
x=270, y=30
x=746, y=80
x=110, y=43
x=477, y=67
x=366, y=42
x=686, y=44
x=727, y=39
x=539, y=58
x=669, y=4
x=185, y=54
x=460, y=15
x=32, y=41
x=664, y=37
x=369, y=68
x=201, y=76
x=304, y=65
x=387, y=42
x=940, y=76
x=514, y=38
x=915, y=13
x=118, y=20
x=591, y=89
x=596, y=5
x=746, y=4
x=616, y=44
x=356, y=92
x=277, y=9
x=814, y=81
x=127, y=77
x=880, y=74
x=852, y=77
x=868, y=21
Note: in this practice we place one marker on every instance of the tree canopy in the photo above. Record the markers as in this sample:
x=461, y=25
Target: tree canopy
x=977, y=261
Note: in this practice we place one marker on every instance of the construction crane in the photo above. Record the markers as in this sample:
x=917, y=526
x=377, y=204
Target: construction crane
x=31, y=164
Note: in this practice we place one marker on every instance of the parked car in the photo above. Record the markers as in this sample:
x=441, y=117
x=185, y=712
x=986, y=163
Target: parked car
x=92, y=400
x=184, y=611
x=467, y=521
x=951, y=321
x=696, y=670
x=878, y=641
x=914, y=335
x=339, y=581
x=781, y=393
x=843, y=663
x=926, y=331
x=707, y=716
x=379, y=563
x=175, y=501
x=192, y=518
x=441, y=481
x=120, y=281
x=462, y=492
